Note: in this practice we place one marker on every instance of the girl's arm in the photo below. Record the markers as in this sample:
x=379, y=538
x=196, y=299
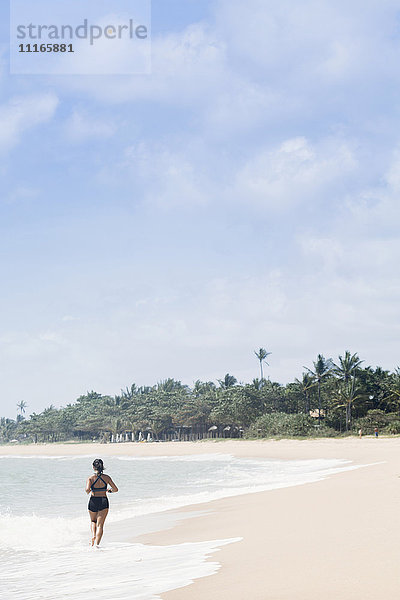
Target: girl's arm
x=88, y=483
x=112, y=485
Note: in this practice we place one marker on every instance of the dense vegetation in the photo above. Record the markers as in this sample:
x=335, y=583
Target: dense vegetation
x=331, y=398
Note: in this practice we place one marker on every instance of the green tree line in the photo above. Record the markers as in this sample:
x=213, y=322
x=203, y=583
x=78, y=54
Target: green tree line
x=331, y=398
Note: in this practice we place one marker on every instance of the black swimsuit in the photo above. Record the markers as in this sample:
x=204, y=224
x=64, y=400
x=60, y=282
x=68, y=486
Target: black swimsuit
x=97, y=503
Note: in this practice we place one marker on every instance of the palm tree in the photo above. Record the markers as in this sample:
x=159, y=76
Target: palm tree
x=7, y=429
x=21, y=408
x=262, y=355
x=346, y=372
x=203, y=387
x=228, y=381
x=256, y=383
x=394, y=388
x=322, y=368
x=305, y=385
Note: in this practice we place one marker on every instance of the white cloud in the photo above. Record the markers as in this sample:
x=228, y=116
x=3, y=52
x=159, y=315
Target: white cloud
x=276, y=178
x=295, y=171
x=21, y=192
x=272, y=64
x=316, y=37
x=241, y=107
x=375, y=211
x=350, y=290
x=23, y=113
x=186, y=66
x=82, y=126
x=36, y=346
x=189, y=173
x=3, y=61
x=171, y=178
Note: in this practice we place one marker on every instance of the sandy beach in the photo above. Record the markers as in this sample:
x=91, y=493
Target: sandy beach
x=338, y=537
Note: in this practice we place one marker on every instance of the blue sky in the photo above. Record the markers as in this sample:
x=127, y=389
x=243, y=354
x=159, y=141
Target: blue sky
x=244, y=194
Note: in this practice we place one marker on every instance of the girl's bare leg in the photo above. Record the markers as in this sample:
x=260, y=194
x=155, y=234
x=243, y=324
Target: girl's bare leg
x=101, y=517
x=93, y=525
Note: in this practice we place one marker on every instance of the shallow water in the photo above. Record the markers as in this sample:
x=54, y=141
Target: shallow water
x=44, y=527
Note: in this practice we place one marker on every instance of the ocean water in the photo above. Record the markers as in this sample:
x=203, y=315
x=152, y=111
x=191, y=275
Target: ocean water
x=45, y=532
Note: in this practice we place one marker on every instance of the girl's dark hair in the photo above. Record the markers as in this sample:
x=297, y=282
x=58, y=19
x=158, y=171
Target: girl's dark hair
x=98, y=465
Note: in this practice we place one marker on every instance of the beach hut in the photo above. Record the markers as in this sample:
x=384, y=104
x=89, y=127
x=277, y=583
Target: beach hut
x=314, y=414
x=227, y=431
x=213, y=430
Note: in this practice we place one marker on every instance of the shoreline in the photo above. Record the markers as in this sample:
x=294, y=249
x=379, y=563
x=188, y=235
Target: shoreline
x=335, y=537
x=285, y=448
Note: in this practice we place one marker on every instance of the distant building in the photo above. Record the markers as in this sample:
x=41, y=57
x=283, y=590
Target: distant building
x=315, y=413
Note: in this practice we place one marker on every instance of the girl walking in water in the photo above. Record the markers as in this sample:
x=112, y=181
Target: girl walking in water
x=98, y=485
